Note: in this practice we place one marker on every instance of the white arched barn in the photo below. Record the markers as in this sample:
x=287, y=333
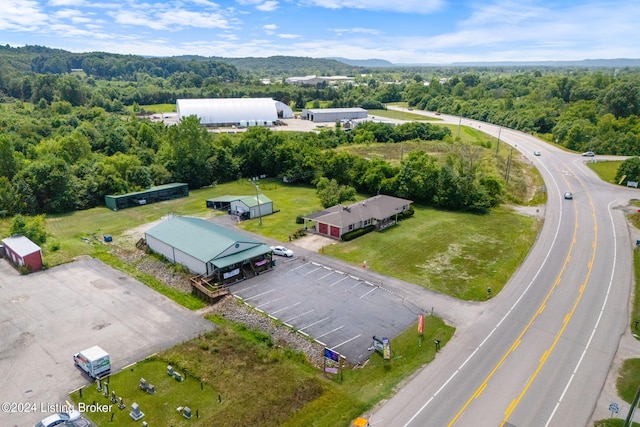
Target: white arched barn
x=234, y=111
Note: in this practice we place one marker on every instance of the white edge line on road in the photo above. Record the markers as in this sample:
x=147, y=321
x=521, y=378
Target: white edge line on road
x=524, y=292
x=595, y=326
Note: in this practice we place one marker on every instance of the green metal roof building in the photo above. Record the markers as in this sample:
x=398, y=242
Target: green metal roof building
x=209, y=249
x=158, y=193
x=252, y=206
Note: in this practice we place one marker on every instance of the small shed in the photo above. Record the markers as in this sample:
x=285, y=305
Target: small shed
x=22, y=252
x=247, y=207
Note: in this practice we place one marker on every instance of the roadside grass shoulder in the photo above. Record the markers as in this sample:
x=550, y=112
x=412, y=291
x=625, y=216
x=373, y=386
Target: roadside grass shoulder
x=606, y=169
x=628, y=379
x=400, y=115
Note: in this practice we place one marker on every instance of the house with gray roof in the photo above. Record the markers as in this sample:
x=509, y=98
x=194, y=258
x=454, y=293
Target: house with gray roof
x=209, y=249
x=380, y=211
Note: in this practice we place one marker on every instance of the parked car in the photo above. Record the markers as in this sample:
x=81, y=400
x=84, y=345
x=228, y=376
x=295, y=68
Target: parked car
x=537, y=153
x=60, y=419
x=568, y=195
x=282, y=251
x=588, y=154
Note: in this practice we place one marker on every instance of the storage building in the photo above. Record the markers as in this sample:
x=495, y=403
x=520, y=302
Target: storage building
x=209, y=249
x=242, y=112
x=247, y=207
x=323, y=115
x=22, y=252
x=158, y=193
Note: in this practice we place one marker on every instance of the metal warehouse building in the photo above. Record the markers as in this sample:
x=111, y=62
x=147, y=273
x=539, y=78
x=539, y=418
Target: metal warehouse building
x=320, y=115
x=242, y=112
x=209, y=249
x=158, y=193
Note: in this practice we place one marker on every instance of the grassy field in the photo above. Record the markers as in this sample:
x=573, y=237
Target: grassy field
x=237, y=376
x=457, y=254
x=451, y=252
x=606, y=170
x=400, y=115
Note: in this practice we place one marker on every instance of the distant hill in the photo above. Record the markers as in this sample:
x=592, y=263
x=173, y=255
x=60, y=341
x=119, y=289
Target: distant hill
x=589, y=63
x=370, y=63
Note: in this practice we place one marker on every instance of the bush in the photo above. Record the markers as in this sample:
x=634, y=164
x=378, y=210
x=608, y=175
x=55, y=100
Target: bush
x=406, y=214
x=299, y=219
x=357, y=233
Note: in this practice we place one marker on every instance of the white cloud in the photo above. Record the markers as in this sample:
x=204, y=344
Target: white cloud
x=403, y=6
x=289, y=36
x=341, y=31
x=20, y=15
x=268, y=6
x=171, y=20
x=66, y=3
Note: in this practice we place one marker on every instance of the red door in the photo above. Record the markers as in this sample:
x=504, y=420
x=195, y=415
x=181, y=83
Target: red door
x=322, y=228
x=335, y=232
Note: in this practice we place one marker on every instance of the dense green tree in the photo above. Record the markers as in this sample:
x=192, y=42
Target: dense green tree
x=8, y=161
x=8, y=198
x=45, y=186
x=629, y=170
x=331, y=193
x=31, y=227
x=185, y=152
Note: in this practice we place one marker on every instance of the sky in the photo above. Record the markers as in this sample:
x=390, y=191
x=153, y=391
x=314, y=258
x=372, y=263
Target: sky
x=399, y=31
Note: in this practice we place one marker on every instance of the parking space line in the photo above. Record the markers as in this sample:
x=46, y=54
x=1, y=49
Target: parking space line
x=314, y=323
x=328, y=274
x=336, y=329
x=270, y=301
x=299, y=315
x=335, y=283
x=259, y=295
x=357, y=283
x=302, y=265
x=372, y=289
x=344, y=342
x=285, y=308
x=316, y=269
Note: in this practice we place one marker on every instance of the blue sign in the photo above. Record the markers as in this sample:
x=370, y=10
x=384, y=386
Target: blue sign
x=614, y=408
x=330, y=354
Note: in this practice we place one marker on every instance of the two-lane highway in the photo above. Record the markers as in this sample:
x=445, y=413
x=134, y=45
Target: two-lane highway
x=539, y=354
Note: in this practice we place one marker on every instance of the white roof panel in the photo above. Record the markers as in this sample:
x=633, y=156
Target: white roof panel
x=213, y=111
x=21, y=245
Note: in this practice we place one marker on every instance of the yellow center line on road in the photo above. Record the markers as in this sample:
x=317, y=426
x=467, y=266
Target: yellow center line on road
x=543, y=304
x=517, y=341
x=565, y=323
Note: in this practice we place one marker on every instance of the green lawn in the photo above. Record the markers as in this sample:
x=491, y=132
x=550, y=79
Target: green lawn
x=606, y=170
x=240, y=377
x=458, y=254
x=400, y=115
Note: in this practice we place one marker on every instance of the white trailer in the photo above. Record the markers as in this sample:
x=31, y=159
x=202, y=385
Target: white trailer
x=94, y=361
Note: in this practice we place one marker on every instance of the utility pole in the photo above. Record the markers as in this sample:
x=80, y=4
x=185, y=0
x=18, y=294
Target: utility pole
x=498, y=146
x=258, y=199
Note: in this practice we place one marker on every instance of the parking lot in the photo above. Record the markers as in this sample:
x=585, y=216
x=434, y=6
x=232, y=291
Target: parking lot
x=48, y=316
x=336, y=308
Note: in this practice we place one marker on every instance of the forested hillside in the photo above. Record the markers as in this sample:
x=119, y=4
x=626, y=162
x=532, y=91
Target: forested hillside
x=71, y=128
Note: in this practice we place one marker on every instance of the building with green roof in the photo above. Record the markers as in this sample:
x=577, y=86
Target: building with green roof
x=246, y=207
x=209, y=249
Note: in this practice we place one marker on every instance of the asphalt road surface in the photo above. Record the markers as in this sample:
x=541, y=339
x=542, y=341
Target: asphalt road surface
x=540, y=351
